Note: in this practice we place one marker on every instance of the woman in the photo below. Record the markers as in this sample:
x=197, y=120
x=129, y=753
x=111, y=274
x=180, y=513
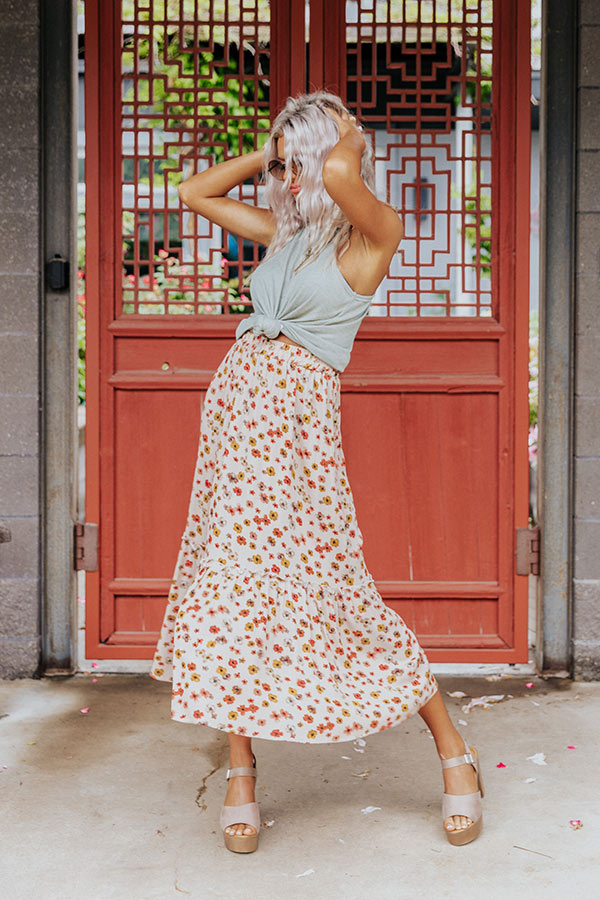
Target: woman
x=274, y=628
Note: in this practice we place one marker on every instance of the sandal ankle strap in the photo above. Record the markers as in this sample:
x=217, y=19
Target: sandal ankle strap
x=458, y=761
x=467, y=757
x=242, y=770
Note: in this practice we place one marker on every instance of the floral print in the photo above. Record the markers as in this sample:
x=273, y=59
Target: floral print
x=274, y=627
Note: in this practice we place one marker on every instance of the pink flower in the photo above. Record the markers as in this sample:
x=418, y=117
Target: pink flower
x=131, y=278
x=163, y=254
x=532, y=442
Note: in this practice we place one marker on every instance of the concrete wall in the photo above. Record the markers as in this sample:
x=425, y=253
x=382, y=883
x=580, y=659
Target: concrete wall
x=586, y=509
x=20, y=293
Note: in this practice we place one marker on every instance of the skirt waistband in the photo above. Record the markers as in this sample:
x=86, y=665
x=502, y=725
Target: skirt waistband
x=286, y=353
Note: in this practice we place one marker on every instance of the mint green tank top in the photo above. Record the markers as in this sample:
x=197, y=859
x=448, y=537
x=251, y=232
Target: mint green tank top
x=315, y=307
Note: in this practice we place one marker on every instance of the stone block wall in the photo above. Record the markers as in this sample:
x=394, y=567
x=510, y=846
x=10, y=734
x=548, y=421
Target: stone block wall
x=586, y=501
x=20, y=382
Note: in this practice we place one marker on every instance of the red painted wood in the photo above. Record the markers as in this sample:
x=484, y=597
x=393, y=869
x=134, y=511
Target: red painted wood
x=327, y=47
x=435, y=409
x=288, y=53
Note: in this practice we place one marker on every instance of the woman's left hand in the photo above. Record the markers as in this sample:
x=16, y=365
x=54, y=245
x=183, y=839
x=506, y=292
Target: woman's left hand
x=347, y=125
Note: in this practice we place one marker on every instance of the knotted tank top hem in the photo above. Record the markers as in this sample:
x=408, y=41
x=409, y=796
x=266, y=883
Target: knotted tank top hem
x=315, y=307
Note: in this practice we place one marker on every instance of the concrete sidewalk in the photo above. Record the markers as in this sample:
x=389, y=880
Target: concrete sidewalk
x=121, y=803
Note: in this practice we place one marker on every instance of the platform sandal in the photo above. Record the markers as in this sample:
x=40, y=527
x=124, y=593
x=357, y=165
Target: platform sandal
x=247, y=813
x=464, y=804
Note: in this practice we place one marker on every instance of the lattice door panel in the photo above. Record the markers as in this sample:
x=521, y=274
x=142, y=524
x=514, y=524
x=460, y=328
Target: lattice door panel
x=195, y=90
x=419, y=75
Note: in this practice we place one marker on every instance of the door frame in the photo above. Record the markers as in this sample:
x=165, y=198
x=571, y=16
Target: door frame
x=58, y=336
x=555, y=477
x=554, y=483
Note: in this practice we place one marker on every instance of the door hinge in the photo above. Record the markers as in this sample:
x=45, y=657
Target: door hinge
x=528, y=551
x=86, y=546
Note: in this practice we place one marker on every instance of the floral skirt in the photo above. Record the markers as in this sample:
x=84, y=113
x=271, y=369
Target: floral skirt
x=274, y=627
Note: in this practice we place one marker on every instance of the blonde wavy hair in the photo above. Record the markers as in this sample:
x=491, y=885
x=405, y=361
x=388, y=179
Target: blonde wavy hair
x=310, y=133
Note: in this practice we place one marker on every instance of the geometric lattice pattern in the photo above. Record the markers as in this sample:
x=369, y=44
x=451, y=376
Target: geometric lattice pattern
x=194, y=91
x=419, y=78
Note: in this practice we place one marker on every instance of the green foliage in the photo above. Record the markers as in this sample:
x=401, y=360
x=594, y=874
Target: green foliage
x=200, y=96
x=478, y=228
x=533, y=367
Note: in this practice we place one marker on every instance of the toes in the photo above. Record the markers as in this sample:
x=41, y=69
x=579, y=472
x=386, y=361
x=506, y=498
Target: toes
x=457, y=823
x=240, y=828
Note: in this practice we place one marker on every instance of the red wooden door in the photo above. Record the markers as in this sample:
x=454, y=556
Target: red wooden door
x=435, y=398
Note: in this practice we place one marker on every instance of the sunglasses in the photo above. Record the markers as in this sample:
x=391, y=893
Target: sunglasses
x=277, y=169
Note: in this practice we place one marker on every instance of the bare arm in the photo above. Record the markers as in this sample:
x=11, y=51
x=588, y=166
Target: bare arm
x=379, y=224
x=206, y=194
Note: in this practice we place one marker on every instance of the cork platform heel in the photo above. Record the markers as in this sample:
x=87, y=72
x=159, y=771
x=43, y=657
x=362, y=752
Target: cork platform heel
x=248, y=813
x=464, y=804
